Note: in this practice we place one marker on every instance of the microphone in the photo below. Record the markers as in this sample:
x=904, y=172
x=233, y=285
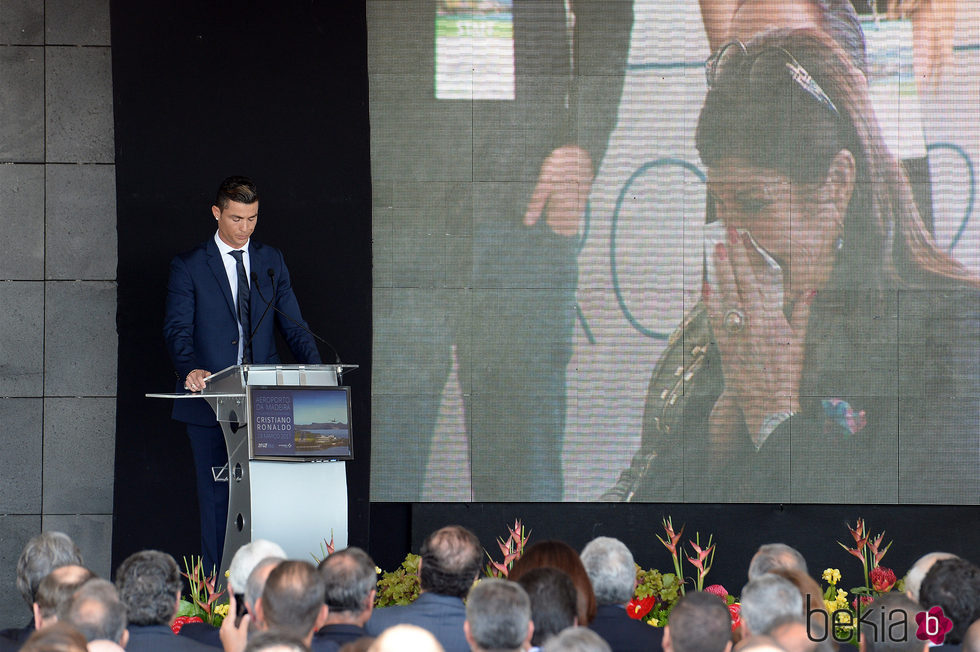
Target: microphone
x=255, y=284
x=272, y=277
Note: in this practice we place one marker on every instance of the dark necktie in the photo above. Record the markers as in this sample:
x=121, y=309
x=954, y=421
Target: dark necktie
x=243, y=305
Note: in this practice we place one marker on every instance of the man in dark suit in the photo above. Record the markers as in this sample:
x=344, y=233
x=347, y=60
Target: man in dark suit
x=217, y=316
x=350, y=577
x=609, y=564
x=451, y=558
x=149, y=585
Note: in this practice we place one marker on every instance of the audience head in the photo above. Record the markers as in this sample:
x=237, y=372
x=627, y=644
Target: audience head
x=889, y=625
x=772, y=556
x=96, y=611
x=757, y=643
x=57, y=637
x=498, y=616
x=275, y=641
x=766, y=599
x=255, y=583
x=793, y=635
x=40, y=556
x=699, y=622
x=56, y=590
x=918, y=570
x=576, y=639
x=611, y=569
x=562, y=556
x=954, y=585
x=451, y=559
x=292, y=601
x=405, y=637
x=553, y=601
x=246, y=559
x=971, y=641
x=350, y=580
x=149, y=585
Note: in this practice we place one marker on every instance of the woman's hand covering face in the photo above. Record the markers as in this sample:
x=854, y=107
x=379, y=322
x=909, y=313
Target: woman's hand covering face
x=799, y=226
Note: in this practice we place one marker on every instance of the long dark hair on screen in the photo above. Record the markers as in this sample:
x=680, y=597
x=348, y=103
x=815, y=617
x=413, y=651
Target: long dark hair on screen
x=757, y=111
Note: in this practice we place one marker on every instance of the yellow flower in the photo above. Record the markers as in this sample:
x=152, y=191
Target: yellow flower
x=831, y=605
x=654, y=622
x=831, y=576
x=221, y=610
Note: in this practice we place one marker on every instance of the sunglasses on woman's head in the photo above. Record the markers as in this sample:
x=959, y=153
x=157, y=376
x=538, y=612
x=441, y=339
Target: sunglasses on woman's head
x=735, y=50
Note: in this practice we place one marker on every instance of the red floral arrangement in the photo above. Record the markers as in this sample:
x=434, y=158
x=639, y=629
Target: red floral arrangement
x=637, y=608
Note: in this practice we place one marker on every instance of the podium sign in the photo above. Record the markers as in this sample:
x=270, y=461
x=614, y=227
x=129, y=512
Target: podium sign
x=291, y=491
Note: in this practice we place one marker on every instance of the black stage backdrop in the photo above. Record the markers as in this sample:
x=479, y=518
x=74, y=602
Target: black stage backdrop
x=273, y=90
x=278, y=91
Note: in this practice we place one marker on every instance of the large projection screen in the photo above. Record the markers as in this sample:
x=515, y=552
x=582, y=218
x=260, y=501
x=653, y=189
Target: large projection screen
x=513, y=354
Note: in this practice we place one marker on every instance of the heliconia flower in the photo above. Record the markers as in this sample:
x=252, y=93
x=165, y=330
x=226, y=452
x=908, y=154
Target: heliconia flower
x=672, y=538
x=860, y=536
x=831, y=576
x=702, y=556
x=637, y=609
x=876, y=549
x=882, y=579
x=865, y=600
x=717, y=589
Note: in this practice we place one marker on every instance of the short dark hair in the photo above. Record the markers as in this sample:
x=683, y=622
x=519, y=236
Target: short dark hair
x=700, y=622
x=272, y=639
x=954, y=585
x=498, y=612
x=239, y=189
x=57, y=588
x=451, y=558
x=149, y=583
x=878, y=627
x=349, y=576
x=40, y=556
x=293, y=598
x=96, y=611
x=553, y=601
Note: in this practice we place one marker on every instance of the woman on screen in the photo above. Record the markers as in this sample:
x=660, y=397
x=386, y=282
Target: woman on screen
x=834, y=355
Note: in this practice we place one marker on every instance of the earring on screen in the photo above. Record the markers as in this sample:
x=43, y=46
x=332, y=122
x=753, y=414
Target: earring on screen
x=839, y=243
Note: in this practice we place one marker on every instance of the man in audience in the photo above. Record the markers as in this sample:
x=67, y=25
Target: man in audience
x=96, y=611
x=56, y=590
x=766, y=600
x=771, y=556
x=293, y=602
x=971, y=641
x=699, y=622
x=918, y=570
x=792, y=635
x=149, y=585
x=350, y=580
x=888, y=625
x=40, y=556
x=610, y=567
x=553, y=606
x=242, y=564
x=450, y=562
x=954, y=585
x=576, y=639
x=498, y=617
x=400, y=638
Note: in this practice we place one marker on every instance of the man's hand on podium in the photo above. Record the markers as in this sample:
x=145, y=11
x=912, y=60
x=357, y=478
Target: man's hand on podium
x=195, y=380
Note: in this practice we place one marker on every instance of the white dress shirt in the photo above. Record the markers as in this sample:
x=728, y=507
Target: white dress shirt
x=231, y=269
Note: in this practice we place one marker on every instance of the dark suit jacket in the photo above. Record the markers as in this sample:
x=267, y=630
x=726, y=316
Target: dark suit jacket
x=202, y=633
x=623, y=633
x=201, y=327
x=339, y=634
x=160, y=638
x=442, y=615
